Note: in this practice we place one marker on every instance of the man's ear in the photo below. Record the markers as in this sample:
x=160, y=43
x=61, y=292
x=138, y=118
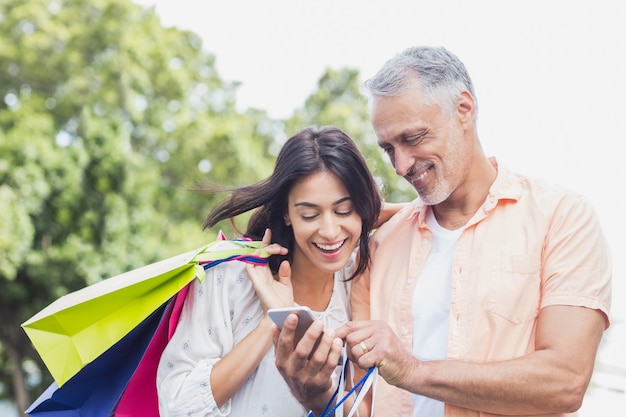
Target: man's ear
x=466, y=108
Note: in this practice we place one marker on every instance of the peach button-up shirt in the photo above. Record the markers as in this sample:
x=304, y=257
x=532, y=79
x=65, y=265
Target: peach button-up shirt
x=529, y=246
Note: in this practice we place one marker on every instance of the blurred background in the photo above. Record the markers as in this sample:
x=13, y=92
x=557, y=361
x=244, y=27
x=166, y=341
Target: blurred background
x=113, y=111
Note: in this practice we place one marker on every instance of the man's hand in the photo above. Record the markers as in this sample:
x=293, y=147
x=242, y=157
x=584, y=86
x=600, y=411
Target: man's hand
x=373, y=343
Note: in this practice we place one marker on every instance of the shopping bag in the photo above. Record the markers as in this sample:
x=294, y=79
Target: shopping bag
x=97, y=387
x=78, y=327
x=140, y=396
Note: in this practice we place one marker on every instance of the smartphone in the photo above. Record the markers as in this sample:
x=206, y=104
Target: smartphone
x=305, y=318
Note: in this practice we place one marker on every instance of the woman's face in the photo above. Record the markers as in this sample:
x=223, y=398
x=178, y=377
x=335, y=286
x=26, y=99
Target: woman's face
x=325, y=224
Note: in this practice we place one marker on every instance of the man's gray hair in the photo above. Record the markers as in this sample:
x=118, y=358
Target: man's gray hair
x=440, y=73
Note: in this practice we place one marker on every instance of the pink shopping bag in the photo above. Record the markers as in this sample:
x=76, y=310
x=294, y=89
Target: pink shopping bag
x=140, y=396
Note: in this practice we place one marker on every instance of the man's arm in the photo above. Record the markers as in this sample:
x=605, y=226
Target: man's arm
x=552, y=379
x=387, y=210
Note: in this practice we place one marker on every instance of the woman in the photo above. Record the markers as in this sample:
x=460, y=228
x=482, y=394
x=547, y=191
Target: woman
x=320, y=204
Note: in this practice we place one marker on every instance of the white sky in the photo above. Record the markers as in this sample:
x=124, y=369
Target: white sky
x=549, y=75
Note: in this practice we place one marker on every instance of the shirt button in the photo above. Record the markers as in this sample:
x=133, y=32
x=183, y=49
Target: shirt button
x=405, y=331
x=409, y=281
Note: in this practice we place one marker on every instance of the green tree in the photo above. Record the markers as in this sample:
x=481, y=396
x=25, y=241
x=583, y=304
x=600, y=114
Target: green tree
x=338, y=101
x=107, y=119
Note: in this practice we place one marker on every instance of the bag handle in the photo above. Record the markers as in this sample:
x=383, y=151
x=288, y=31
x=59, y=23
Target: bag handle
x=245, y=251
x=363, y=386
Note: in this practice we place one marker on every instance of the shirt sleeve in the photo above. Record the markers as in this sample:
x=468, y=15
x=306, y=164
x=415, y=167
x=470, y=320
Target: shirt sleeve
x=576, y=261
x=205, y=334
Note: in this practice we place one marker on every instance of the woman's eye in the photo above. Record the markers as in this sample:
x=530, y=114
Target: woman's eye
x=344, y=213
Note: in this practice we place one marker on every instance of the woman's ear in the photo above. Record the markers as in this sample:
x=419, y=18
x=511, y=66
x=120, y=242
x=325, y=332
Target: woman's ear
x=287, y=220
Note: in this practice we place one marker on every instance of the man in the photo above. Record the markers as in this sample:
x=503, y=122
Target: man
x=489, y=294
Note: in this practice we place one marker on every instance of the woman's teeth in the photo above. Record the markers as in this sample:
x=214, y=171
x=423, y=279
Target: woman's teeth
x=330, y=247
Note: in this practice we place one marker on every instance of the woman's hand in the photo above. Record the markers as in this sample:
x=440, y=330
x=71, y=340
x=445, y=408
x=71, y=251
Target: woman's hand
x=272, y=291
x=308, y=365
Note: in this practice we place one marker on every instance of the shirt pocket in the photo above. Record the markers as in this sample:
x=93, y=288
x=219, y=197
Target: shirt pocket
x=514, y=287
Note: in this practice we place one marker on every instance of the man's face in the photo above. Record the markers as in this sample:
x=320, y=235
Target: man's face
x=426, y=146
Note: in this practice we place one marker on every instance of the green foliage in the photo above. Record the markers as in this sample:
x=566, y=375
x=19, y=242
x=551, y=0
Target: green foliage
x=108, y=122
x=338, y=101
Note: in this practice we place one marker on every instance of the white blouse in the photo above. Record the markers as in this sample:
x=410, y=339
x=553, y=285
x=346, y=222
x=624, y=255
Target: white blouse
x=217, y=314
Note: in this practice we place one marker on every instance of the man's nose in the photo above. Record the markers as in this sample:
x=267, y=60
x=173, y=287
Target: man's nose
x=403, y=162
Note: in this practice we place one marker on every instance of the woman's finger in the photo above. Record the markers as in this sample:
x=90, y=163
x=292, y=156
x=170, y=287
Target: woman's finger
x=284, y=273
x=267, y=238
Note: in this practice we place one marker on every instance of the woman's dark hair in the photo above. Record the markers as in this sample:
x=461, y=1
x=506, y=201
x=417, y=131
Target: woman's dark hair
x=310, y=151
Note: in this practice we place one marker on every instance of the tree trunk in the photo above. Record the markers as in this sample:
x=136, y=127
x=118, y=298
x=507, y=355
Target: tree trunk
x=19, y=386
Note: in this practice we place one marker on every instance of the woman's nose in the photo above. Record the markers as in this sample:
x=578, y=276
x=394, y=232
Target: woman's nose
x=329, y=227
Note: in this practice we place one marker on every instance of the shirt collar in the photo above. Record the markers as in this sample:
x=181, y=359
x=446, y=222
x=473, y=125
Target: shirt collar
x=507, y=185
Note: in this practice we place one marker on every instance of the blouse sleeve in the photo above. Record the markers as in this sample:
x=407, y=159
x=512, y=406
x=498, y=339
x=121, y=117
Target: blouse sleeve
x=205, y=333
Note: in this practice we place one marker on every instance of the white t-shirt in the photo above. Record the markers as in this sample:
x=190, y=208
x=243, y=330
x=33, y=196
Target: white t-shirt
x=431, y=308
x=217, y=314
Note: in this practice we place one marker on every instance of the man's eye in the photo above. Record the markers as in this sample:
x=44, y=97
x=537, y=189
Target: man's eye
x=414, y=140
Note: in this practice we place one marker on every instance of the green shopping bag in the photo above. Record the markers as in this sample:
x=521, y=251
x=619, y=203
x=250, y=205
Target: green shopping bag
x=80, y=326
